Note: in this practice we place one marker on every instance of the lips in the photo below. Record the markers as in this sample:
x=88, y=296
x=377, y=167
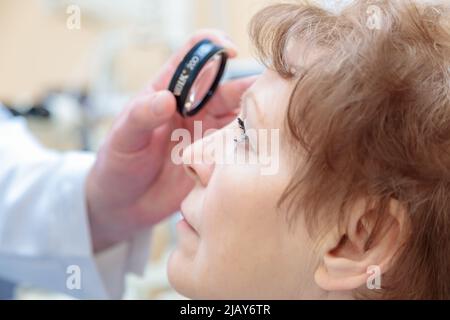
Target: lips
x=186, y=218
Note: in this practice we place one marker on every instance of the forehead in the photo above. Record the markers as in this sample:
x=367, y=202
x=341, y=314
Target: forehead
x=273, y=92
x=272, y=95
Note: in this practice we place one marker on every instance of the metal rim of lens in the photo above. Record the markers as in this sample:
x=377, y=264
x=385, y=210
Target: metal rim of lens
x=185, y=74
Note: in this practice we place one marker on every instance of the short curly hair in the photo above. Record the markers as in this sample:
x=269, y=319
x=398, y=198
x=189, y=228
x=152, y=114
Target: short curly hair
x=373, y=114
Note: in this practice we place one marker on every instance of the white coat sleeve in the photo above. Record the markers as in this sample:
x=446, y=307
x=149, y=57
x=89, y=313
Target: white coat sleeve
x=44, y=230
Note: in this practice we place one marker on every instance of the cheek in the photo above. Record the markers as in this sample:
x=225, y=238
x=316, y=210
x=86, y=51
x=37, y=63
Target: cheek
x=240, y=202
x=238, y=205
x=242, y=231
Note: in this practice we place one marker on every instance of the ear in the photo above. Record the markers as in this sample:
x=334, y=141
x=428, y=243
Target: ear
x=349, y=256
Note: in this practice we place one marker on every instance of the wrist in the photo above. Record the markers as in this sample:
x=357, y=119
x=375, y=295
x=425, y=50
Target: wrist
x=109, y=223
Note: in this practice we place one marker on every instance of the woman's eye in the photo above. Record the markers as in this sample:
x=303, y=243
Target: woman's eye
x=243, y=136
x=241, y=124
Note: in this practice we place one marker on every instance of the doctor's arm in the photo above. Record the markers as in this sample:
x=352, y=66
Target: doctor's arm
x=45, y=234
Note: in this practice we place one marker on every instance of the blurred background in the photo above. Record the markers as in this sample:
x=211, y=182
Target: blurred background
x=69, y=80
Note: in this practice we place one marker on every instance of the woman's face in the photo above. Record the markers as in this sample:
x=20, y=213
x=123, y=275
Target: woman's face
x=234, y=242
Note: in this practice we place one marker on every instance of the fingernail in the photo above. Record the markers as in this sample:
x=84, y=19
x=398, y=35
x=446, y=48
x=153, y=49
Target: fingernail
x=228, y=42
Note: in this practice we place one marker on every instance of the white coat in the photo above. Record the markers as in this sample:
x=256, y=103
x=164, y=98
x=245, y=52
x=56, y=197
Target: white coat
x=44, y=231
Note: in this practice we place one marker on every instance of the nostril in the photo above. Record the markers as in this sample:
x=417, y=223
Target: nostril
x=191, y=172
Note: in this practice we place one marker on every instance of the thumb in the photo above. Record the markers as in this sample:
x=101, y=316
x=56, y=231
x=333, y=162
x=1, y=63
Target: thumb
x=146, y=112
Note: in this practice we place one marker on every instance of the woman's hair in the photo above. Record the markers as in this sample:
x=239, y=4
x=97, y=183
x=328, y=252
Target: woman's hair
x=372, y=114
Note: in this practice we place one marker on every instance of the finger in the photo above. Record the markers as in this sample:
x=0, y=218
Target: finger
x=134, y=128
x=225, y=120
x=227, y=97
x=162, y=80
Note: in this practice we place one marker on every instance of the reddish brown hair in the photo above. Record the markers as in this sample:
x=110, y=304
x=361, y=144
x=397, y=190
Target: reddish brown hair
x=373, y=114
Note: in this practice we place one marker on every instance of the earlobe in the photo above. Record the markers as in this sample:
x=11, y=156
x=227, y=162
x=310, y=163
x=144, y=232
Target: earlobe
x=329, y=280
x=367, y=240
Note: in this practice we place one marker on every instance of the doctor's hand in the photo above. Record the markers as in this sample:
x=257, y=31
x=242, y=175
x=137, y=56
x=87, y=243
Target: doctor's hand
x=134, y=183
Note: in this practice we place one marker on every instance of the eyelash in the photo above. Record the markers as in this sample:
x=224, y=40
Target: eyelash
x=243, y=137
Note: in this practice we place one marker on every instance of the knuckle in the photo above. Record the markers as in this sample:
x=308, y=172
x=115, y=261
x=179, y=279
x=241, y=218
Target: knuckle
x=206, y=33
x=135, y=113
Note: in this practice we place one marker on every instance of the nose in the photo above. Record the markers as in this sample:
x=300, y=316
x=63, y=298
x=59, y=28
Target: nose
x=198, y=160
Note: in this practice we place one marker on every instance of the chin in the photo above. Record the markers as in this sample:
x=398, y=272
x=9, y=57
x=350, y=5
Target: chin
x=180, y=275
